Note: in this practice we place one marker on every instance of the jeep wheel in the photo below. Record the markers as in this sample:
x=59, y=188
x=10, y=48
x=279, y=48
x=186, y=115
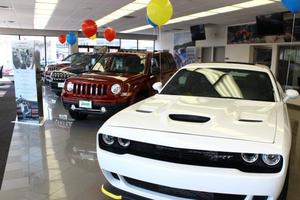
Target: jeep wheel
x=77, y=115
x=283, y=194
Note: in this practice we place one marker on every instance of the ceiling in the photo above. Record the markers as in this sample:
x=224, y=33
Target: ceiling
x=69, y=14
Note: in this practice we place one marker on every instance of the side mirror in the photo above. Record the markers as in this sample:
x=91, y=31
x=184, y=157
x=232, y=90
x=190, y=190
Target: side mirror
x=157, y=86
x=290, y=94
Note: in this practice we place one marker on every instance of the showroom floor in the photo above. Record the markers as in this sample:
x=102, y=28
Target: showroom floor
x=58, y=161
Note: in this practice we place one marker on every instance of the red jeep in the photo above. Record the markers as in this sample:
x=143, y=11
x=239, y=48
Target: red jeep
x=116, y=81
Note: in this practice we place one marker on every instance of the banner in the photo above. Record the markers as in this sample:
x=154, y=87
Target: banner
x=25, y=81
x=184, y=49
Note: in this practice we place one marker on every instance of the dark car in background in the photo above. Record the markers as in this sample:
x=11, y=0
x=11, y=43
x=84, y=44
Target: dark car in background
x=56, y=66
x=116, y=81
x=81, y=63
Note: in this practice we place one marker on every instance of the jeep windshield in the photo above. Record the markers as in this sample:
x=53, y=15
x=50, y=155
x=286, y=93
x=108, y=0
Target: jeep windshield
x=221, y=83
x=78, y=59
x=121, y=63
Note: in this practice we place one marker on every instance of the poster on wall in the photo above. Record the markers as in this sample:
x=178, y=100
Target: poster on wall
x=184, y=49
x=25, y=82
x=252, y=33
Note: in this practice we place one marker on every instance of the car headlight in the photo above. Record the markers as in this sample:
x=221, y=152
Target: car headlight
x=271, y=159
x=70, y=86
x=107, y=139
x=123, y=142
x=249, y=157
x=116, y=89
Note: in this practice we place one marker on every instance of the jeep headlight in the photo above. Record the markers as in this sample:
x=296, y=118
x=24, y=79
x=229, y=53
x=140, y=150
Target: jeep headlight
x=271, y=159
x=70, y=86
x=115, y=88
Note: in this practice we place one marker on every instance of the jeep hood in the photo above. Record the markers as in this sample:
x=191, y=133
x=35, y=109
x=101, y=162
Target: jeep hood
x=209, y=117
x=107, y=76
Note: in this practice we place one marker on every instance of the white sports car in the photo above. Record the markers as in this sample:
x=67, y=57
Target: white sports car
x=214, y=132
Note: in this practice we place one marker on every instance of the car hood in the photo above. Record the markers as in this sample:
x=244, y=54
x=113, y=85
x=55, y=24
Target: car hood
x=107, y=76
x=221, y=118
x=73, y=69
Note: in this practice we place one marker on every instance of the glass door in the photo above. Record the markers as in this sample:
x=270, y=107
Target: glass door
x=263, y=55
x=289, y=75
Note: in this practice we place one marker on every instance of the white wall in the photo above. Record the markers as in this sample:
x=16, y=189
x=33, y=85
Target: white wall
x=165, y=41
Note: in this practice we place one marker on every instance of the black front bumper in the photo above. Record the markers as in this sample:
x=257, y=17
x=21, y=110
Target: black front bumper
x=96, y=108
x=54, y=87
x=115, y=191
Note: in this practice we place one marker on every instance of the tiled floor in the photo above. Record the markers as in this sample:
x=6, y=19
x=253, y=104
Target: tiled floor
x=58, y=161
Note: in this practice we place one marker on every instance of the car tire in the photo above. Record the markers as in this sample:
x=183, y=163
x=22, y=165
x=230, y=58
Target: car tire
x=284, y=192
x=77, y=115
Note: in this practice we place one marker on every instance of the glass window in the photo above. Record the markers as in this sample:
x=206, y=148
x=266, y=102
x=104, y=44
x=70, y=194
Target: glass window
x=39, y=45
x=55, y=50
x=146, y=45
x=98, y=42
x=128, y=44
x=288, y=72
x=121, y=63
x=222, y=83
x=6, y=42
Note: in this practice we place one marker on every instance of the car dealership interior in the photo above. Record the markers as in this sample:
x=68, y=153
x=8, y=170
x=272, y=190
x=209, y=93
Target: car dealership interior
x=149, y=99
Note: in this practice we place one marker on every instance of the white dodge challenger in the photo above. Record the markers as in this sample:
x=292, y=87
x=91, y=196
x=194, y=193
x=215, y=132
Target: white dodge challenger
x=213, y=132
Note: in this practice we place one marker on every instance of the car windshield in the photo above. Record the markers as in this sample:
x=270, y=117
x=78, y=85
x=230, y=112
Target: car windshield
x=221, y=83
x=121, y=63
x=79, y=59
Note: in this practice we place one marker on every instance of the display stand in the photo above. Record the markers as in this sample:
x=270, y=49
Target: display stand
x=28, y=89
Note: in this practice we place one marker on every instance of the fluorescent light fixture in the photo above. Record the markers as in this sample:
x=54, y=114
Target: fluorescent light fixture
x=47, y=1
x=254, y=3
x=45, y=6
x=225, y=9
x=42, y=12
x=125, y=10
x=137, y=29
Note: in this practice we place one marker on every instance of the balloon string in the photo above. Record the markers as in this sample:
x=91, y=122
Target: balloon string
x=160, y=39
x=290, y=54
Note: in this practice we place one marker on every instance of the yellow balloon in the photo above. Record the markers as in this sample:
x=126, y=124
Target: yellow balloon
x=93, y=37
x=160, y=11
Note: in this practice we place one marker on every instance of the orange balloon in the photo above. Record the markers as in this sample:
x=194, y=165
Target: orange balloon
x=109, y=34
x=89, y=27
x=62, y=38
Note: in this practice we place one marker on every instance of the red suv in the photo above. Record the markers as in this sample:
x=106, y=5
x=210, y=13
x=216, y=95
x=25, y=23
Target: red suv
x=116, y=81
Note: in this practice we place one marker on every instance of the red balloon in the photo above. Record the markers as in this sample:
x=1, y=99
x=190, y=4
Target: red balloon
x=109, y=34
x=89, y=27
x=62, y=38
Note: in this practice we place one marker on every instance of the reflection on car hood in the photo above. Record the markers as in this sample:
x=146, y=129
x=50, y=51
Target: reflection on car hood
x=210, y=117
x=110, y=76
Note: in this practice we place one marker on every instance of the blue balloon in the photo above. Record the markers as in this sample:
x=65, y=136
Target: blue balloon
x=150, y=22
x=71, y=38
x=292, y=5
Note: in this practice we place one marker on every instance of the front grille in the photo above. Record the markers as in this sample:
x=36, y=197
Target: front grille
x=89, y=89
x=59, y=76
x=191, y=156
x=189, y=194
